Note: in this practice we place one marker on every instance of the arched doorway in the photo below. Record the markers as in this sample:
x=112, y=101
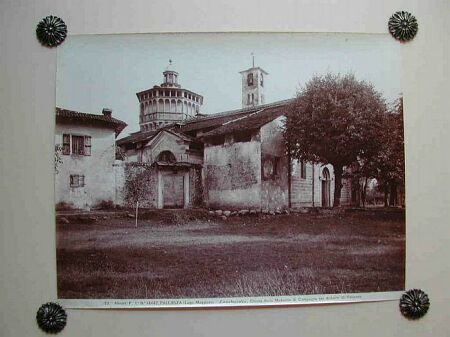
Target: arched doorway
x=326, y=183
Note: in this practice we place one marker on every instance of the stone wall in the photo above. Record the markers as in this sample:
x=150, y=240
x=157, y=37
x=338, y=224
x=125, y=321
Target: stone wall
x=143, y=182
x=196, y=190
x=139, y=183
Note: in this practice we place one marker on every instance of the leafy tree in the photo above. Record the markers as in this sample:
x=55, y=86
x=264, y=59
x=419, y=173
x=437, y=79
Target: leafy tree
x=386, y=165
x=335, y=120
x=390, y=161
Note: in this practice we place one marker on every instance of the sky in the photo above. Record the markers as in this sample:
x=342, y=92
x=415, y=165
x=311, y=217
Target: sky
x=106, y=71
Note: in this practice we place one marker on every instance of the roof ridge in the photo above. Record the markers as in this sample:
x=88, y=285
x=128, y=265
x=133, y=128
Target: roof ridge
x=238, y=111
x=243, y=117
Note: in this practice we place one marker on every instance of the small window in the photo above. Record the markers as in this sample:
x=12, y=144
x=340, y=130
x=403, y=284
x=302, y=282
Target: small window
x=262, y=80
x=276, y=166
x=66, y=144
x=250, y=79
x=76, y=180
x=302, y=169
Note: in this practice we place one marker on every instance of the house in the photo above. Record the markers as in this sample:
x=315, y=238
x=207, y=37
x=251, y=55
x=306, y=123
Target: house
x=85, y=147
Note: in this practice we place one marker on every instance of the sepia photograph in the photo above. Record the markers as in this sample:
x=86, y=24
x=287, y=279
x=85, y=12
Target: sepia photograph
x=231, y=165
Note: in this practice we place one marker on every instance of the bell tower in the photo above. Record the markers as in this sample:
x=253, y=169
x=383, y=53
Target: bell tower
x=253, y=86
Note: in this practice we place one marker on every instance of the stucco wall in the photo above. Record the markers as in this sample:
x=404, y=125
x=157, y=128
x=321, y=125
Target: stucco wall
x=97, y=168
x=233, y=175
x=274, y=188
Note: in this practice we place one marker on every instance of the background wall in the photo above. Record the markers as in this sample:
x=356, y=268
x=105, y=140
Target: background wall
x=27, y=99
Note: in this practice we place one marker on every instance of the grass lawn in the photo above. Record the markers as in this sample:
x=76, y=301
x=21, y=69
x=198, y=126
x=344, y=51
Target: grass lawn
x=188, y=253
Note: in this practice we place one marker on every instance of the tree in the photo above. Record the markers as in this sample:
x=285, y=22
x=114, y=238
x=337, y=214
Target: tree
x=389, y=163
x=335, y=120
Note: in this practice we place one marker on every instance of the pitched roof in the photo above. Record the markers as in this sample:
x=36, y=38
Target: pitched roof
x=251, y=121
x=223, y=122
x=70, y=116
x=137, y=137
x=218, y=119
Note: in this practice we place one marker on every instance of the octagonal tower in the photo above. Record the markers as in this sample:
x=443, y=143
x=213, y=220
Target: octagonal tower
x=167, y=103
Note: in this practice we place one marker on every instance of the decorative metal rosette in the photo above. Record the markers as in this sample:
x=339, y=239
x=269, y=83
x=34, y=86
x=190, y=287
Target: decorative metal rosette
x=414, y=304
x=51, y=317
x=51, y=31
x=403, y=26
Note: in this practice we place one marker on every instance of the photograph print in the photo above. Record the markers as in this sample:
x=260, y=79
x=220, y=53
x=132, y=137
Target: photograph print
x=232, y=165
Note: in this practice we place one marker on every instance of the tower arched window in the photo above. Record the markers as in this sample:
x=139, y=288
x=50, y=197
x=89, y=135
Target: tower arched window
x=250, y=79
x=160, y=107
x=262, y=80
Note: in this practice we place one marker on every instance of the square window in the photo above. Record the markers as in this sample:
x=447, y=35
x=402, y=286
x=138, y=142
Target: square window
x=76, y=180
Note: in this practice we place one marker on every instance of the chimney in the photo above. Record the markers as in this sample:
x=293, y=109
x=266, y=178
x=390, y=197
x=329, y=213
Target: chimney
x=107, y=112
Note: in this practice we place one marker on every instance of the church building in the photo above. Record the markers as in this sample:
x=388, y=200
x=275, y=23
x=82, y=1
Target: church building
x=226, y=160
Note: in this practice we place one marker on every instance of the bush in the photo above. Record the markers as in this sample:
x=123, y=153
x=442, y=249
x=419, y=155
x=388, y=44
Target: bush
x=64, y=206
x=105, y=204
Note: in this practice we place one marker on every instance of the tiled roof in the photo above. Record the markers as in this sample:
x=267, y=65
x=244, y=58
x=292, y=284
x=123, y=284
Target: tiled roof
x=64, y=116
x=250, y=121
x=137, y=137
x=223, y=122
x=145, y=136
x=218, y=119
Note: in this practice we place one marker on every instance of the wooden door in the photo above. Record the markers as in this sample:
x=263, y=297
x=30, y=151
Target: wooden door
x=173, y=190
x=326, y=195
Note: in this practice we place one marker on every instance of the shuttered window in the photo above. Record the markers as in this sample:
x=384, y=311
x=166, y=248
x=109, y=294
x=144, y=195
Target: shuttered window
x=66, y=144
x=74, y=144
x=76, y=180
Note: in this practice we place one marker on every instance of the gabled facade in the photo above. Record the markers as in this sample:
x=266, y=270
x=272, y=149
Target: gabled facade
x=166, y=167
